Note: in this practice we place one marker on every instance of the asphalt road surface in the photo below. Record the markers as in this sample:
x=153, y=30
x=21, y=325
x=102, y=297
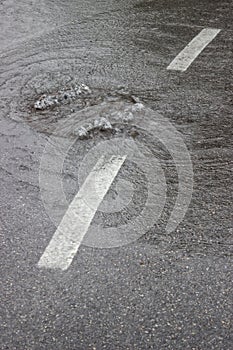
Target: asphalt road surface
x=158, y=288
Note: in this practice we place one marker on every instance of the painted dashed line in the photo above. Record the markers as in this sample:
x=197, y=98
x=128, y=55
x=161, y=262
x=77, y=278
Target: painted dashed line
x=66, y=240
x=185, y=58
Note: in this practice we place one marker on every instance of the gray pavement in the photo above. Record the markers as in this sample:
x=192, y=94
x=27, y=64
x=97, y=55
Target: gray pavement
x=163, y=291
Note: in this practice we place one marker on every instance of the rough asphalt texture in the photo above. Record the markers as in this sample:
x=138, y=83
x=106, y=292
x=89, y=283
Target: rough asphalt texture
x=141, y=296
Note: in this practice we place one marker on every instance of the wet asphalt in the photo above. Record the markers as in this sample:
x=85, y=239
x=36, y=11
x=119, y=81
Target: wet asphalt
x=160, y=292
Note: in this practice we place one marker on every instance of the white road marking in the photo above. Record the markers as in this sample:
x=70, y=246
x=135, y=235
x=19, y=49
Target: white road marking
x=193, y=49
x=66, y=240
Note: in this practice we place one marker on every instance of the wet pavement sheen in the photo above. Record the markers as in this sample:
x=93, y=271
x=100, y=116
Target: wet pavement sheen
x=163, y=291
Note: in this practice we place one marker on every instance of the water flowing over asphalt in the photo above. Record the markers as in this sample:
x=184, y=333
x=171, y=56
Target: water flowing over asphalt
x=66, y=61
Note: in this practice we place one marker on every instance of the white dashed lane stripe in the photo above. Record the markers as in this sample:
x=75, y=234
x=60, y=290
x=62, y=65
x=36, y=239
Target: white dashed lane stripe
x=75, y=223
x=193, y=49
